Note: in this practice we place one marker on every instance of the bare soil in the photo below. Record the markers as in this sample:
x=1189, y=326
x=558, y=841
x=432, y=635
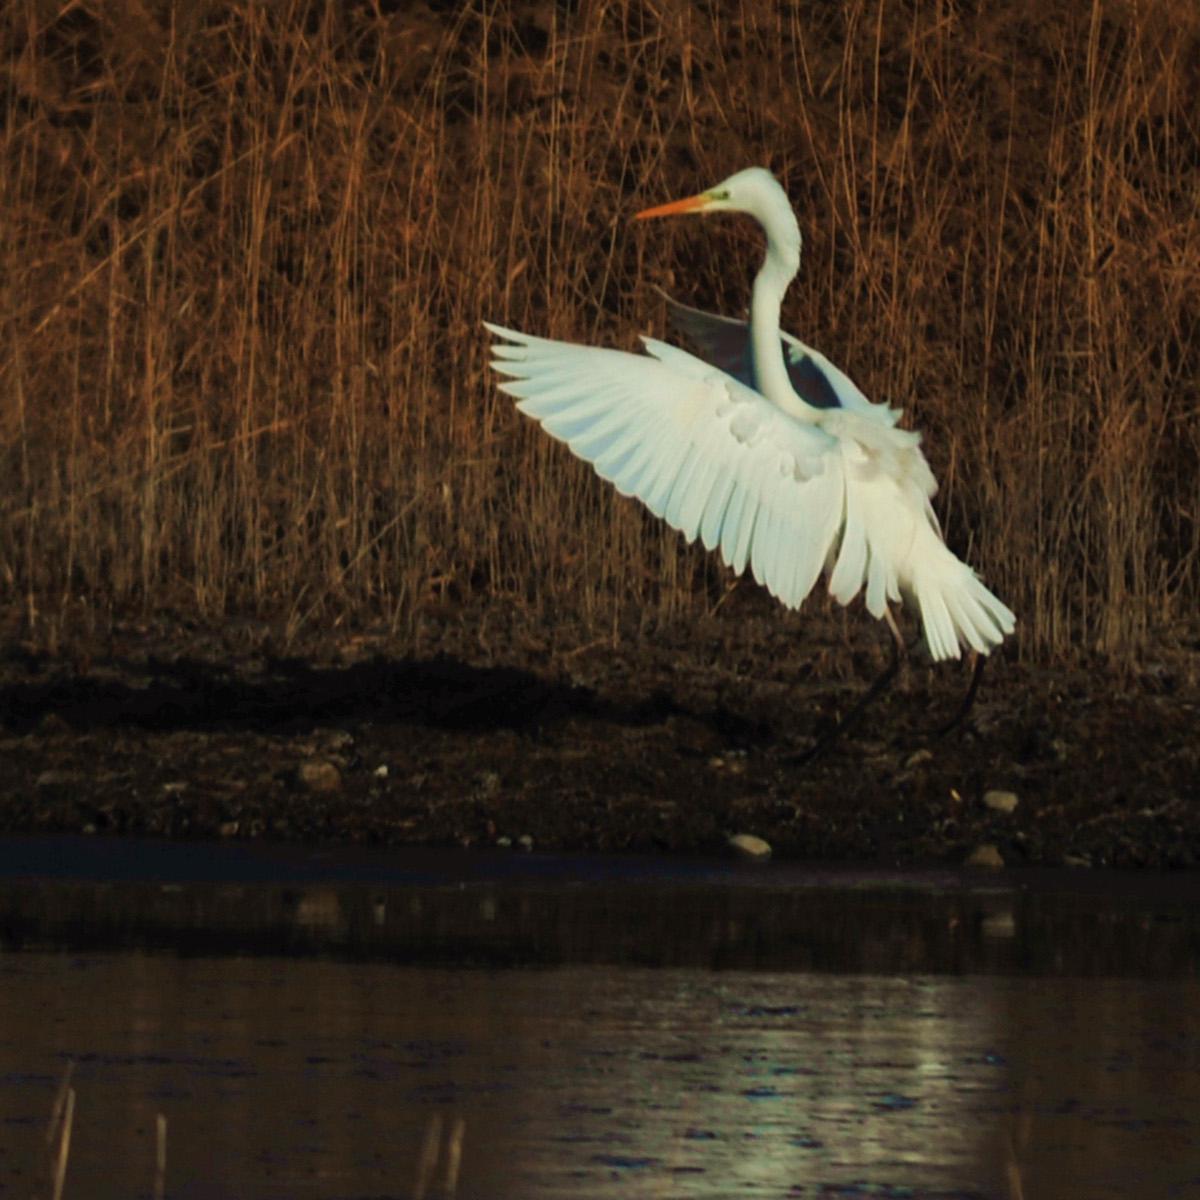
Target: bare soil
x=500, y=732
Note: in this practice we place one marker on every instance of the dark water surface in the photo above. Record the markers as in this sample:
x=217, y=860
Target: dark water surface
x=311, y=1025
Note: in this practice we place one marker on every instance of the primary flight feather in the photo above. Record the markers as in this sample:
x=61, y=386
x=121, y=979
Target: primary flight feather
x=768, y=451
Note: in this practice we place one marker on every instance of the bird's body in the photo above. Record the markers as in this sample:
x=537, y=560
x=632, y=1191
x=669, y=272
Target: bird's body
x=768, y=451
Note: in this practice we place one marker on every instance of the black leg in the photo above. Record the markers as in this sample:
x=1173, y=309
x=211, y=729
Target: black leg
x=969, y=699
x=852, y=718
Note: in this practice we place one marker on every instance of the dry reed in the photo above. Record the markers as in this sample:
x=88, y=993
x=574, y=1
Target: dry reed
x=247, y=249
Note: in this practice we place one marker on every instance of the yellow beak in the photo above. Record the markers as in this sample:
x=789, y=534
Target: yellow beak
x=690, y=205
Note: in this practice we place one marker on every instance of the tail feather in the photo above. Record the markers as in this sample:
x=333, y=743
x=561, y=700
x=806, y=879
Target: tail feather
x=957, y=608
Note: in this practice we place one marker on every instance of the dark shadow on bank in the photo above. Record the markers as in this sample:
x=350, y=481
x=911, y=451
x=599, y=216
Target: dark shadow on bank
x=293, y=695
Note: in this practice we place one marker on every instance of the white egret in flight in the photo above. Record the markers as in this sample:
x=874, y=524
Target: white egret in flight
x=768, y=451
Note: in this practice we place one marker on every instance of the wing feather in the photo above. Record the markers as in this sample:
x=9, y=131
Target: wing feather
x=959, y=607
x=687, y=505
x=716, y=509
x=672, y=456
x=629, y=475
x=738, y=528
x=851, y=565
x=819, y=534
x=681, y=498
x=709, y=455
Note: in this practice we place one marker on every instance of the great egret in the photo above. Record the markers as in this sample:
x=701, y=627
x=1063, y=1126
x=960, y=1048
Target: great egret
x=772, y=454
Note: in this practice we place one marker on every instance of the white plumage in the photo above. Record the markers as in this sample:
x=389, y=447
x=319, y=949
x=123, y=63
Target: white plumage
x=779, y=482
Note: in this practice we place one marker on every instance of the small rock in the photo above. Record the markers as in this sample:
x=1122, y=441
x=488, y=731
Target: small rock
x=525, y=842
x=1076, y=860
x=733, y=763
x=985, y=856
x=504, y=842
x=747, y=845
x=175, y=786
x=1003, y=802
x=319, y=775
x=488, y=783
x=917, y=758
x=381, y=771
x=228, y=829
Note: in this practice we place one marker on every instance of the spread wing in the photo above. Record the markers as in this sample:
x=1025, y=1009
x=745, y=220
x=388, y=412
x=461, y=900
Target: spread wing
x=783, y=493
x=725, y=342
x=707, y=454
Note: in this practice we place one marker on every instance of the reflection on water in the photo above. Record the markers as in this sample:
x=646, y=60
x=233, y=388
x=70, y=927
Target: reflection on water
x=291, y=1078
x=910, y=1065
x=523, y=910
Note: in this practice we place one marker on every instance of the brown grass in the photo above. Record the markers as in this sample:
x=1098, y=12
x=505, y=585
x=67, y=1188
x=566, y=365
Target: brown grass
x=247, y=248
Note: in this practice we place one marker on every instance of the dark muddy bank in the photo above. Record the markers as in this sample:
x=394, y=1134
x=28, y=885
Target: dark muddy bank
x=671, y=744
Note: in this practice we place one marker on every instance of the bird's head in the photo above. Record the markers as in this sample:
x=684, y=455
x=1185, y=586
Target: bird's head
x=754, y=191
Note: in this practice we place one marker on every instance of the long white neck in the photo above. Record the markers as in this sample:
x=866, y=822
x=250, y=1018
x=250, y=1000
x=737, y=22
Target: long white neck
x=778, y=270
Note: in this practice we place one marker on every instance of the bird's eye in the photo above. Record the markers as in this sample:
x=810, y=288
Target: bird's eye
x=721, y=194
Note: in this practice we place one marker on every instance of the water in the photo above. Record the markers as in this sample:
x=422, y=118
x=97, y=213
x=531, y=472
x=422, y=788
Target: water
x=956, y=1038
